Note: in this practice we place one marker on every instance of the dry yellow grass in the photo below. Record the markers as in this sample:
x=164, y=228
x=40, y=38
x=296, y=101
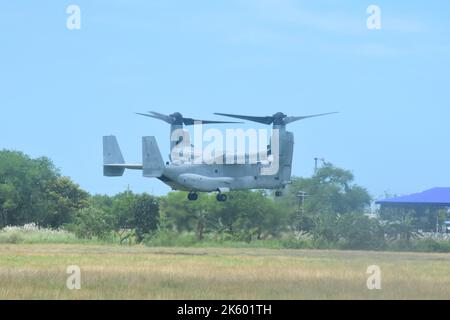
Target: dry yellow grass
x=115, y=272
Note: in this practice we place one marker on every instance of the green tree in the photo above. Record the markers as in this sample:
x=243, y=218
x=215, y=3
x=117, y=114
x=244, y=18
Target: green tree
x=250, y=214
x=146, y=215
x=32, y=190
x=331, y=191
x=357, y=231
x=64, y=199
x=9, y=201
x=123, y=215
x=92, y=222
x=24, y=183
x=403, y=229
x=185, y=215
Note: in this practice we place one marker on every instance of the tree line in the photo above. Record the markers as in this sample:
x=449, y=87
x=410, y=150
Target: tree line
x=326, y=210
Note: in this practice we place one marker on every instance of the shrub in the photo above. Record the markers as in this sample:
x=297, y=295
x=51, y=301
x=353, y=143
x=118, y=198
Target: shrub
x=92, y=222
x=31, y=233
x=297, y=240
x=292, y=243
x=169, y=238
x=146, y=215
x=430, y=245
x=357, y=231
x=12, y=238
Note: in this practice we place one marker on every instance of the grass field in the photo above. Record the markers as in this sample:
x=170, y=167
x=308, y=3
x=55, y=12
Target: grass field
x=38, y=271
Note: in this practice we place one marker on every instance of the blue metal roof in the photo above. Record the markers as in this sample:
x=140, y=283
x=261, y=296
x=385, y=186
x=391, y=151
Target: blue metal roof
x=432, y=197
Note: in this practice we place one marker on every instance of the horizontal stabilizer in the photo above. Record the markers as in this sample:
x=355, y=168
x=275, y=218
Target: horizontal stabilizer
x=130, y=166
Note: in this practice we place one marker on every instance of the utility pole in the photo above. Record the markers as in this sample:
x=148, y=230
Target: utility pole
x=301, y=201
x=301, y=195
x=316, y=162
x=437, y=222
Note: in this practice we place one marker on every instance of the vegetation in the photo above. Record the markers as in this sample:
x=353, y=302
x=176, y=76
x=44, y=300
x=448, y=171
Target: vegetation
x=332, y=214
x=32, y=234
x=32, y=190
x=138, y=272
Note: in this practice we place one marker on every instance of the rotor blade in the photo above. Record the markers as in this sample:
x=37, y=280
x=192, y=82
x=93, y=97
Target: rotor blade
x=264, y=120
x=156, y=116
x=292, y=119
x=190, y=121
x=161, y=116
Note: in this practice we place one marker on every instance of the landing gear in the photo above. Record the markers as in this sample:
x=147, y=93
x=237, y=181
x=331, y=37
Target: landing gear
x=221, y=197
x=192, y=196
x=278, y=193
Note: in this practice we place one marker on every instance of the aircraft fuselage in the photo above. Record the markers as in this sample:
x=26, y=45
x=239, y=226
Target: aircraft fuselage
x=208, y=178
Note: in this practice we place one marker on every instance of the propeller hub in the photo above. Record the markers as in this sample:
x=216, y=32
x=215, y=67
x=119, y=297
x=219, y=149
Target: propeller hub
x=278, y=118
x=176, y=118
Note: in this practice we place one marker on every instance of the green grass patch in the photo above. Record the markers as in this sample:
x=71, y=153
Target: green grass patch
x=137, y=272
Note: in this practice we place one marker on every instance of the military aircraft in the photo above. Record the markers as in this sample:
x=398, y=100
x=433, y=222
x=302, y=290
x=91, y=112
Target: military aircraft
x=269, y=171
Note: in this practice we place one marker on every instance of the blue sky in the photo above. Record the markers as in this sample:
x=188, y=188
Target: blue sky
x=61, y=90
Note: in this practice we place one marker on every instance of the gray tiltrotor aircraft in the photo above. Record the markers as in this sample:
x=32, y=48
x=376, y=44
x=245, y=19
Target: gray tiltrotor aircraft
x=269, y=171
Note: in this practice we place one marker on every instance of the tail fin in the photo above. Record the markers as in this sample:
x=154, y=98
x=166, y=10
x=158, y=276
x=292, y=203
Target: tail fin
x=152, y=161
x=112, y=157
x=113, y=163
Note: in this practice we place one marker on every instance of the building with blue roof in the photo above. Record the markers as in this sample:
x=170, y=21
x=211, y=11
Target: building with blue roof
x=430, y=207
x=436, y=197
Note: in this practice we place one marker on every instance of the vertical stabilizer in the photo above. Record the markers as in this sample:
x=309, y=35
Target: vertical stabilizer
x=152, y=161
x=112, y=157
